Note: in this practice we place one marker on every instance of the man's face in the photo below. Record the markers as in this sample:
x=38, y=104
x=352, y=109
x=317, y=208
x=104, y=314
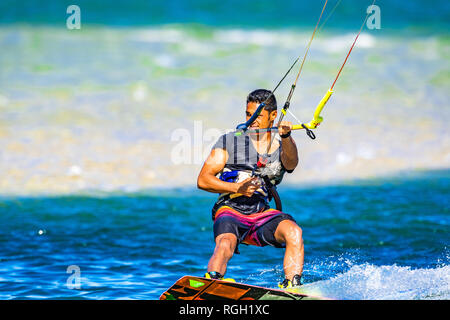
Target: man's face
x=264, y=120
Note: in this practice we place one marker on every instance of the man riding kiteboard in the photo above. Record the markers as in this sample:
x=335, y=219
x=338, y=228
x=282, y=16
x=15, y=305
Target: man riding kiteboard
x=244, y=169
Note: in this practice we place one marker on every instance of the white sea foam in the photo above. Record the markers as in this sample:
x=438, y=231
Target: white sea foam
x=283, y=38
x=159, y=35
x=369, y=282
x=258, y=37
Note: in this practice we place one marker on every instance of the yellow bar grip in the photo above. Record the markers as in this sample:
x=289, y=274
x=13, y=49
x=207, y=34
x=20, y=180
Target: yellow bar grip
x=322, y=103
x=317, y=119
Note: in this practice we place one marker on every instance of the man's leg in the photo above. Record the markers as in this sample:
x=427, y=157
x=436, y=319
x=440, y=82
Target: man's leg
x=290, y=233
x=225, y=245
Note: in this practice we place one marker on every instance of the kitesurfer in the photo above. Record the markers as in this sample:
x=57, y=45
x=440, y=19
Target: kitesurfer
x=245, y=173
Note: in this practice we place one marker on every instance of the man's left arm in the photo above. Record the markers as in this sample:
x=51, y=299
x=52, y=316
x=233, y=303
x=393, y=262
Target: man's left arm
x=289, y=152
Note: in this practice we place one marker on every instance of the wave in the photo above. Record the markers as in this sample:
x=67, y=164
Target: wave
x=389, y=282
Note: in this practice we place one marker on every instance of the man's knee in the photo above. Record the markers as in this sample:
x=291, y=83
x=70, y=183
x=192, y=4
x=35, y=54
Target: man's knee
x=225, y=244
x=290, y=233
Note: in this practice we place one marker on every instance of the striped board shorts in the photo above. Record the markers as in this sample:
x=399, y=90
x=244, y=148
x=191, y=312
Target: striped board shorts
x=256, y=229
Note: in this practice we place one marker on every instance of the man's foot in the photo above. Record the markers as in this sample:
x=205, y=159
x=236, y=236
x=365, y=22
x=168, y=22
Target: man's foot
x=213, y=275
x=297, y=281
x=217, y=276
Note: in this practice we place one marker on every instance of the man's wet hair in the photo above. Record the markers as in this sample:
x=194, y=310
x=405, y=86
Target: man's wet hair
x=261, y=95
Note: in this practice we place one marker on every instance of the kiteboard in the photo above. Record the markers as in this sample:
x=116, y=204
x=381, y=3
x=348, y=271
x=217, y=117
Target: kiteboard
x=198, y=288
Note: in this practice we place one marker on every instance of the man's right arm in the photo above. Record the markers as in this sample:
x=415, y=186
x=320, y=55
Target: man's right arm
x=207, y=179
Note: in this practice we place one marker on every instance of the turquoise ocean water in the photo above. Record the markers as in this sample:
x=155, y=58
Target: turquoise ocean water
x=376, y=239
x=92, y=122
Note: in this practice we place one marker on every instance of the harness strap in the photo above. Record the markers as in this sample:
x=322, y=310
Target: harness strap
x=273, y=193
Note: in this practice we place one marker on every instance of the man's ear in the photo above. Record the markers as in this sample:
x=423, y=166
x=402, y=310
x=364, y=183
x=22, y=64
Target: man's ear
x=273, y=115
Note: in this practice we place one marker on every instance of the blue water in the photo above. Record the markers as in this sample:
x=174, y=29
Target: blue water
x=417, y=14
x=372, y=239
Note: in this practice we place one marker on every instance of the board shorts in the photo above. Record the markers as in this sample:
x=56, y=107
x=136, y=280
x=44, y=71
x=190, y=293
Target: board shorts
x=256, y=229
